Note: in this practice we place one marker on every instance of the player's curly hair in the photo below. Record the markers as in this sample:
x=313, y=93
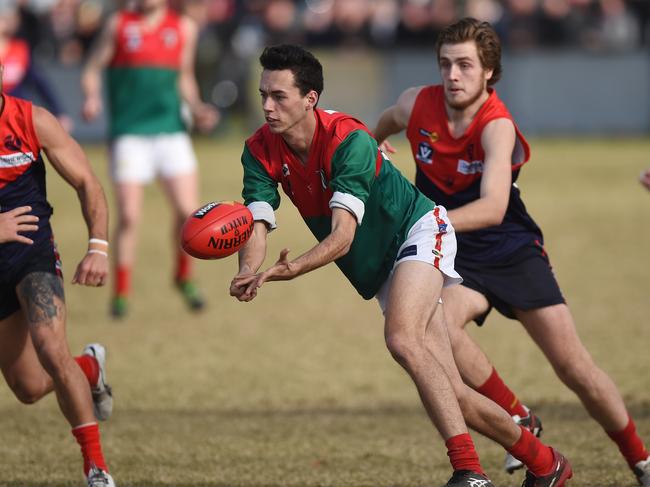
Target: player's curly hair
x=306, y=69
x=487, y=43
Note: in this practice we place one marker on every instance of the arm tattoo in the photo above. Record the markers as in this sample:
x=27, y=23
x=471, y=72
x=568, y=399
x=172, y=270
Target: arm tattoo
x=36, y=293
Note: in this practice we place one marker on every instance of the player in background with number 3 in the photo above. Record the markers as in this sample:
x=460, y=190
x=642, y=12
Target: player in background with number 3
x=34, y=355
x=331, y=168
x=149, y=52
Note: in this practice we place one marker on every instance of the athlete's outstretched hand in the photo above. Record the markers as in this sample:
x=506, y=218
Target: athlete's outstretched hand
x=239, y=287
x=92, y=270
x=16, y=221
x=645, y=178
x=244, y=287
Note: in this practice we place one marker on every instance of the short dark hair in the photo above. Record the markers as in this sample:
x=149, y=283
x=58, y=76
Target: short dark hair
x=306, y=69
x=487, y=42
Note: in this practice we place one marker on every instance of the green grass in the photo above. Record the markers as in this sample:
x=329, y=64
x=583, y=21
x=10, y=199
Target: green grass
x=297, y=388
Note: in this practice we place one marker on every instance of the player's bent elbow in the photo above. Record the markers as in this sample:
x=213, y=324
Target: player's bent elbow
x=495, y=217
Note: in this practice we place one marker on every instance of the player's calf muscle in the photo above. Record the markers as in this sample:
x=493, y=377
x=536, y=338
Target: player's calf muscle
x=42, y=295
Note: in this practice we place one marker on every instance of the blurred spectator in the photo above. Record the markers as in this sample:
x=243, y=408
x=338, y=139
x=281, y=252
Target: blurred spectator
x=64, y=29
x=522, y=29
x=415, y=24
x=318, y=22
x=351, y=22
x=281, y=22
x=21, y=76
x=384, y=20
x=618, y=28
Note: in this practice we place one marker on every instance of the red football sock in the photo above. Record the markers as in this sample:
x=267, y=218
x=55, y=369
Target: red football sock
x=533, y=453
x=183, y=266
x=122, y=280
x=462, y=454
x=631, y=446
x=495, y=389
x=89, y=367
x=87, y=436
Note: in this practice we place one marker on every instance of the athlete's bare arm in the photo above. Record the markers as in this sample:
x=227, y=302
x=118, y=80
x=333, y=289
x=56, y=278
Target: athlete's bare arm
x=15, y=222
x=91, y=78
x=396, y=118
x=334, y=246
x=71, y=163
x=205, y=116
x=498, y=141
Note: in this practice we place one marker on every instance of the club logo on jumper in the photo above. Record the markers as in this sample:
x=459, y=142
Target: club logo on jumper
x=433, y=136
x=442, y=228
x=133, y=37
x=285, y=170
x=466, y=167
x=13, y=143
x=201, y=212
x=425, y=153
x=169, y=38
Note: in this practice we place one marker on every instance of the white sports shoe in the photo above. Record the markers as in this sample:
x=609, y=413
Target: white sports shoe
x=102, y=392
x=98, y=478
x=642, y=472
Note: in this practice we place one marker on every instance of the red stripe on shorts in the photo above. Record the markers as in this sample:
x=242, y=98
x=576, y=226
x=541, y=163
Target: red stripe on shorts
x=439, y=234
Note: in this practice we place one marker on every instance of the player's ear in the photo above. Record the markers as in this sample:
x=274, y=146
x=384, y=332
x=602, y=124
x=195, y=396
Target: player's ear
x=311, y=100
x=488, y=74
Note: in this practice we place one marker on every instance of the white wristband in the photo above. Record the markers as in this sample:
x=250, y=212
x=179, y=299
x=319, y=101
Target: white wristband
x=100, y=252
x=97, y=241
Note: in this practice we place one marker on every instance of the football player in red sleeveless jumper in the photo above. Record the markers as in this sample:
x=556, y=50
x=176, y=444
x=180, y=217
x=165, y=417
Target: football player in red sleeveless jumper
x=468, y=153
x=34, y=355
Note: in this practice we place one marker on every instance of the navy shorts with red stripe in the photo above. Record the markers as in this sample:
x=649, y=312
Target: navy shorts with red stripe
x=41, y=258
x=524, y=281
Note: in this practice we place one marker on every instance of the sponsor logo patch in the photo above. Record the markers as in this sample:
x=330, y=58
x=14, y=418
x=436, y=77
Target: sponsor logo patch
x=407, y=252
x=466, y=167
x=433, y=136
x=17, y=159
x=425, y=153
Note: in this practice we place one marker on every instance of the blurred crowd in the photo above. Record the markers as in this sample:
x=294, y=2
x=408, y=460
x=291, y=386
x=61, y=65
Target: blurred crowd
x=65, y=29
x=234, y=31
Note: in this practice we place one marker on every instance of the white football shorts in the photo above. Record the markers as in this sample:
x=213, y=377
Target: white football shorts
x=142, y=158
x=432, y=240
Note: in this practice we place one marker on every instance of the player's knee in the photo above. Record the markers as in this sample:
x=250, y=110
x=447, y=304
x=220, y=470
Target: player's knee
x=574, y=373
x=404, y=348
x=28, y=392
x=128, y=220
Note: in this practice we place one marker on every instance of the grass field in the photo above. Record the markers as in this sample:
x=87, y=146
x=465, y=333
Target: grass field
x=297, y=389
